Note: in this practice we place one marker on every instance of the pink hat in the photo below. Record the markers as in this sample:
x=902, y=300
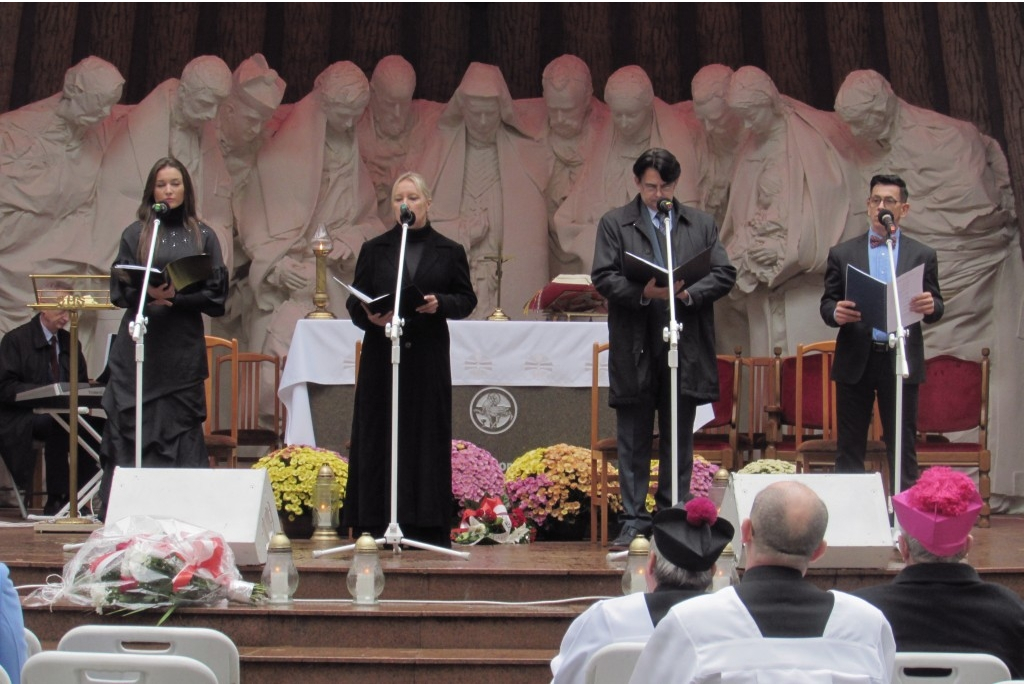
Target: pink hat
x=939, y=510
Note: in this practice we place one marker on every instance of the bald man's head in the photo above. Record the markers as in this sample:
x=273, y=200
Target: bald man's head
x=787, y=525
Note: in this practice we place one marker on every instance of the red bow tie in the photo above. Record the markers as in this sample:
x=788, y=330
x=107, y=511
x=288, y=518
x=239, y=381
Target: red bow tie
x=876, y=240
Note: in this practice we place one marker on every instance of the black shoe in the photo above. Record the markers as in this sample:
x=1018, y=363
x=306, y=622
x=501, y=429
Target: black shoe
x=625, y=536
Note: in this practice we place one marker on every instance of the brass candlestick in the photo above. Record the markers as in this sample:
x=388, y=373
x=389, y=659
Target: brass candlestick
x=322, y=246
x=498, y=259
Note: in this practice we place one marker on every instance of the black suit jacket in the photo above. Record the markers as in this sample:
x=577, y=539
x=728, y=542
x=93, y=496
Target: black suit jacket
x=948, y=608
x=853, y=344
x=24, y=365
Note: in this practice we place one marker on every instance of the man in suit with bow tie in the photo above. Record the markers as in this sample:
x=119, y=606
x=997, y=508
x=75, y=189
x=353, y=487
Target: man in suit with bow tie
x=864, y=364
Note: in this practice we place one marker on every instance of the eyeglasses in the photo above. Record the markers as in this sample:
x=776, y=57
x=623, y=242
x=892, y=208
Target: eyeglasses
x=887, y=202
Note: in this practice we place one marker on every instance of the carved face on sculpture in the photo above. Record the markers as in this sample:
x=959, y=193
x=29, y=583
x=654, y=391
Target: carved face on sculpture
x=867, y=104
x=91, y=89
x=205, y=83
x=630, y=99
x=567, y=91
x=482, y=116
x=239, y=123
x=391, y=90
x=710, y=87
x=344, y=93
x=755, y=100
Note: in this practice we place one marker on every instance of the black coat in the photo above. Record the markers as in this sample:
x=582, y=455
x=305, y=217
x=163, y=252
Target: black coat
x=853, y=344
x=425, y=387
x=25, y=365
x=635, y=329
x=943, y=607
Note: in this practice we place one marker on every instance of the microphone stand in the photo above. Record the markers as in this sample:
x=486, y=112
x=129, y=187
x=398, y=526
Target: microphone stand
x=902, y=371
x=138, y=332
x=393, y=535
x=671, y=335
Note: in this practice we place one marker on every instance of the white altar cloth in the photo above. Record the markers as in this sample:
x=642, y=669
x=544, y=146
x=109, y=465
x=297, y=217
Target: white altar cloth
x=483, y=353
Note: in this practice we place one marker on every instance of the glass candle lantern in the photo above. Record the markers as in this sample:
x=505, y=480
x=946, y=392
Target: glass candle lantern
x=280, y=577
x=725, y=569
x=635, y=577
x=719, y=485
x=325, y=506
x=365, y=577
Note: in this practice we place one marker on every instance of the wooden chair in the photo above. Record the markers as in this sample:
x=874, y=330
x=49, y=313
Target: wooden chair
x=604, y=456
x=252, y=369
x=953, y=399
x=717, y=440
x=756, y=383
x=219, y=444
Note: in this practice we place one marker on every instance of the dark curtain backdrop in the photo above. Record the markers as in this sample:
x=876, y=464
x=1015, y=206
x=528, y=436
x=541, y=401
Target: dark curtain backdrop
x=961, y=59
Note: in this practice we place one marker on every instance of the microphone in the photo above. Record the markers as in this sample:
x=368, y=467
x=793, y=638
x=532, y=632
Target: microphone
x=665, y=207
x=405, y=215
x=886, y=219
x=160, y=208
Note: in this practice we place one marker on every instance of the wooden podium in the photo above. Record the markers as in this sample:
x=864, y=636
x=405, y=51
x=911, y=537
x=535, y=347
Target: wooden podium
x=74, y=294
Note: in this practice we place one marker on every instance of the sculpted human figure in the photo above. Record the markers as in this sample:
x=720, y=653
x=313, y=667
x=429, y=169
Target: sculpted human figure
x=242, y=129
x=394, y=127
x=963, y=207
x=721, y=135
x=569, y=118
x=639, y=122
x=488, y=177
x=50, y=154
x=308, y=174
x=788, y=203
x=169, y=122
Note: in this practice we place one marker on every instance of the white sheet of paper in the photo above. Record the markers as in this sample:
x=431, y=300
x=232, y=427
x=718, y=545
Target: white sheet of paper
x=910, y=284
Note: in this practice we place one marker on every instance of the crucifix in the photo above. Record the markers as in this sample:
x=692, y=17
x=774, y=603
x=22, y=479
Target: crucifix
x=498, y=259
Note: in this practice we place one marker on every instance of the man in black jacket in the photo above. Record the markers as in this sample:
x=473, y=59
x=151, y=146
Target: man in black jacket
x=939, y=603
x=864, y=363
x=34, y=354
x=637, y=316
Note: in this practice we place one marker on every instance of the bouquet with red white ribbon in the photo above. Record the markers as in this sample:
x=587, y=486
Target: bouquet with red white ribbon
x=491, y=520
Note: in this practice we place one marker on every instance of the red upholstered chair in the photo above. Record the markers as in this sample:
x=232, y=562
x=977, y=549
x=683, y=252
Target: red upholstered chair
x=717, y=440
x=954, y=399
x=757, y=394
x=806, y=406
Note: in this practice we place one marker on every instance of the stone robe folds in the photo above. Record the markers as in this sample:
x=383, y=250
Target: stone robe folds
x=288, y=195
x=47, y=201
x=518, y=226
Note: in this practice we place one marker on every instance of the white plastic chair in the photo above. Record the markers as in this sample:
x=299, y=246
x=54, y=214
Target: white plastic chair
x=90, y=667
x=4, y=678
x=210, y=647
x=613, y=663
x=962, y=667
x=32, y=642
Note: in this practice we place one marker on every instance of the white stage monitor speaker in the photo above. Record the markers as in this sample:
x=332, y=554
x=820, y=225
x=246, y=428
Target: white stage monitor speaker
x=237, y=503
x=858, y=533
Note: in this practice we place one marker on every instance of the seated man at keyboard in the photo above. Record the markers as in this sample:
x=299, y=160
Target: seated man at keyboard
x=35, y=354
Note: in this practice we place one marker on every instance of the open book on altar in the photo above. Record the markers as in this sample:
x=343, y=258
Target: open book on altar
x=874, y=297
x=567, y=293
x=182, y=273
x=382, y=304
x=638, y=269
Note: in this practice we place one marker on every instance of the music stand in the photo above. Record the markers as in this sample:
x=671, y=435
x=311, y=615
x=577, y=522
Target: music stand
x=74, y=294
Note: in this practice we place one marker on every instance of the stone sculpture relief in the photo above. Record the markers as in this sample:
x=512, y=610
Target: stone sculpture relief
x=639, y=121
x=50, y=154
x=488, y=177
x=308, y=174
x=394, y=128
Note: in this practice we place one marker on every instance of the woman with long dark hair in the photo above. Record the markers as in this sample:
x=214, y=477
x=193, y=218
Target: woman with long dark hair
x=174, y=368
